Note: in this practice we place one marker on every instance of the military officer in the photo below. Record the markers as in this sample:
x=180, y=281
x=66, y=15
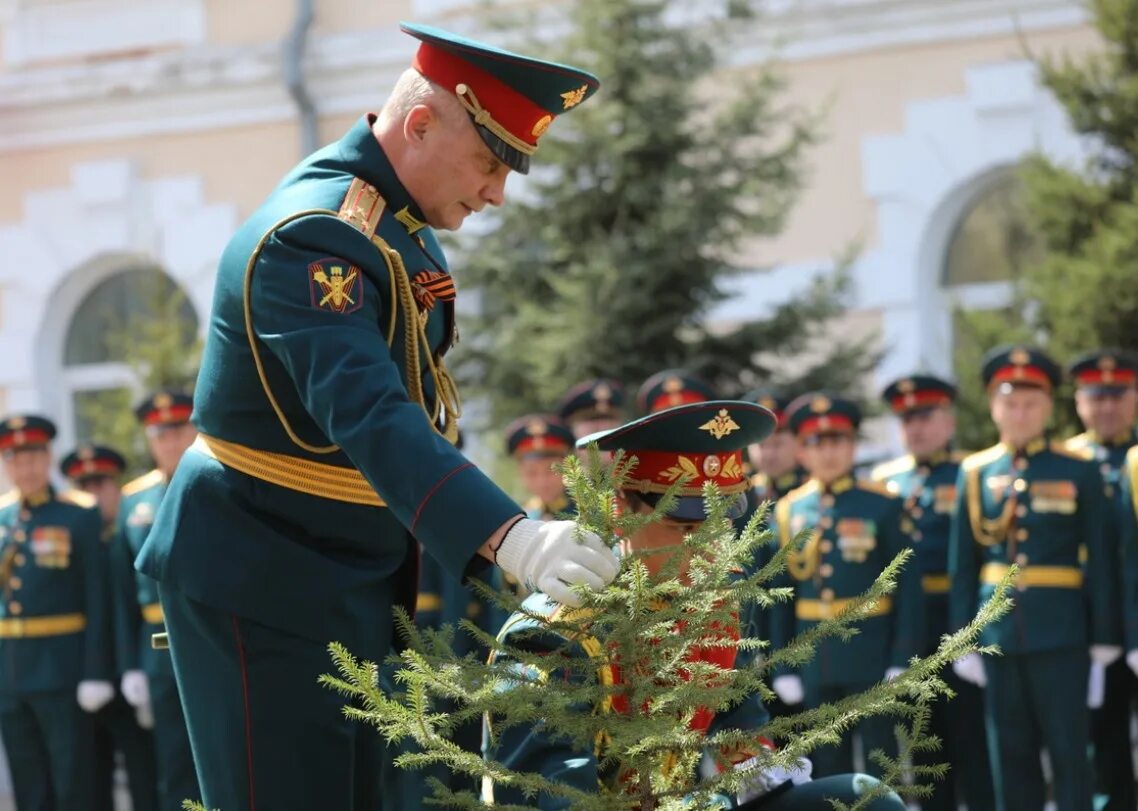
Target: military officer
x=1129, y=535
x=658, y=441
x=855, y=532
x=926, y=479
x=538, y=443
x=1106, y=398
x=55, y=648
x=592, y=406
x=148, y=674
x=774, y=461
x=1030, y=502
x=327, y=417
x=97, y=470
x=669, y=388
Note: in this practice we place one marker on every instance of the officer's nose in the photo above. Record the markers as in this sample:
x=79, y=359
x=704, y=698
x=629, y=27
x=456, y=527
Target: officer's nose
x=494, y=192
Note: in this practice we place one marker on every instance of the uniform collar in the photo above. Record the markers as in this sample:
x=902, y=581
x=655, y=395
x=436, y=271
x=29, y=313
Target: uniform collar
x=369, y=162
x=1126, y=439
x=935, y=458
x=788, y=481
x=1030, y=449
x=837, y=486
x=38, y=498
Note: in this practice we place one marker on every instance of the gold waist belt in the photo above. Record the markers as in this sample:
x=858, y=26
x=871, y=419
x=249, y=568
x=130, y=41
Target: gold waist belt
x=152, y=614
x=54, y=625
x=828, y=609
x=304, y=476
x=1056, y=577
x=936, y=583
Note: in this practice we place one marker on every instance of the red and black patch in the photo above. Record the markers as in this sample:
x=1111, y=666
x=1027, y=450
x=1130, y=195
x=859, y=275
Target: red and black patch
x=335, y=285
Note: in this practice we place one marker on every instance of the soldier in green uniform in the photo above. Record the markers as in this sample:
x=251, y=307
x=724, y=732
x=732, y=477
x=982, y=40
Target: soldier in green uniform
x=926, y=479
x=774, y=461
x=147, y=674
x=658, y=441
x=55, y=647
x=592, y=406
x=538, y=443
x=327, y=417
x=855, y=532
x=1106, y=398
x=97, y=470
x=1033, y=503
x=670, y=388
x=1128, y=487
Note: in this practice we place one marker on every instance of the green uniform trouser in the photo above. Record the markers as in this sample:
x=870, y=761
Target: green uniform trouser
x=50, y=742
x=875, y=733
x=177, y=780
x=291, y=746
x=816, y=795
x=1110, y=737
x=959, y=723
x=116, y=727
x=1036, y=701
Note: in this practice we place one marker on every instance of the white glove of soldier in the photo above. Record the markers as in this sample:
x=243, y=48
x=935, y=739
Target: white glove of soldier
x=94, y=695
x=1132, y=661
x=970, y=667
x=767, y=780
x=893, y=673
x=546, y=556
x=1105, y=654
x=144, y=715
x=1096, y=685
x=789, y=689
x=135, y=688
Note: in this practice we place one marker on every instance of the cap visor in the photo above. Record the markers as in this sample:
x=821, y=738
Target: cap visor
x=516, y=160
x=691, y=508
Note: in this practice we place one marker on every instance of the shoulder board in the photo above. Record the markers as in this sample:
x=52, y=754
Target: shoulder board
x=77, y=497
x=983, y=457
x=9, y=498
x=1131, y=457
x=875, y=487
x=959, y=456
x=1078, y=441
x=534, y=503
x=1084, y=454
x=760, y=481
x=362, y=207
x=799, y=492
x=143, y=482
x=893, y=467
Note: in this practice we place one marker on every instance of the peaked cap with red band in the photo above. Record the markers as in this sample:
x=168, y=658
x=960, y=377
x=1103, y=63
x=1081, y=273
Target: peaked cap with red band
x=538, y=435
x=165, y=408
x=820, y=413
x=918, y=393
x=25, y=431
x=592, y=399
x=90, y=461
x=772, y=399
x=1020, y=366
x=511, y=98
x=694, y=443
x=1105, y=371
x=671, y=388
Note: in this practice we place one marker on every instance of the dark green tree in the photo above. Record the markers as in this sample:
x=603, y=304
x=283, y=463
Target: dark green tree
x=612, y=255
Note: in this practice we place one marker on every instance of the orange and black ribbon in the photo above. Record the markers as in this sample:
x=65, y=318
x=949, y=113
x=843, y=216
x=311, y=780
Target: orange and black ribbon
x=431, y=286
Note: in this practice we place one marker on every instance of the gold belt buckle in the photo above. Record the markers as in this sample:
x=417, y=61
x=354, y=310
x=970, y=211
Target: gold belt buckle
x=18, y=626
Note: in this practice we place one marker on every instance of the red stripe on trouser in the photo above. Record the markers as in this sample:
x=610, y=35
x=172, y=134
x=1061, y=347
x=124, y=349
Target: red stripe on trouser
x=248, y=714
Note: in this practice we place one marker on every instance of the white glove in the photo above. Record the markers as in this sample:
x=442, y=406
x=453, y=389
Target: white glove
x=546, y=556
x=789, y=689
x=1096, y=685
x=767, y=780
x=1105, y=654
x=94, y=695
x=1132, y=661
x=893, y=673
x=970, y=667
x=135, y=688
x=144, y=715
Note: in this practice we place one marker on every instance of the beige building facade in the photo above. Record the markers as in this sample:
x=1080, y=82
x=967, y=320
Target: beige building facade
x=139, y=133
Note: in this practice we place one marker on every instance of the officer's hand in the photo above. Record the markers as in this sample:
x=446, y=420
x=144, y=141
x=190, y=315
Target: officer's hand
x=970, y=667
x=764, y=781
x=547, y=557
x=1105, y=654
x=1132, y=661
x=789, y=689
x=1096, y=685
x=135, y=688
x=144, y=715
x=94, y=695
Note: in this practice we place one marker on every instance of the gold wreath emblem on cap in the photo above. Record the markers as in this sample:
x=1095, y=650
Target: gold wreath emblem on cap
x=906, y=386
x=572, y=98
x=1020, y=357
x=721, y=425
x=536, y=428
x=1107, y=364
x=673, y=384
x=86, y=452
x=820, y=404
x=163, y=400
x=602, y=392
x=16, y=423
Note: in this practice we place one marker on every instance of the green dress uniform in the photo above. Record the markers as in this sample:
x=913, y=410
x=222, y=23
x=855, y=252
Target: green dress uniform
x=927, y=486
x=116, y=725
x=668, y=435
x=327, y=415
x=1128, y=490
x=1034, y=507
x=54, y=633
x=855, y=532
x=1110, y=373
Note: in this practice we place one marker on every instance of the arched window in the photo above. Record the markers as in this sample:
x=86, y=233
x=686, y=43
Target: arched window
x=130, y=326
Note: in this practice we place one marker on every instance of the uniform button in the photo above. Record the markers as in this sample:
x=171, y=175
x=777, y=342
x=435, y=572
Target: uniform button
x=916, y=513
x=1110, y=491
x=1021, y=510
x=15, y=609
x=916, y=535
x=1021, y=559
x=826, y=570
x=826, y=546
x=1021, y=463
x=827, y=595
x=15, y=582
x=19, y=559
x=1020, y=485
x=826, y=500
x=1021, y=534
x=19, y=536
x=826, y=522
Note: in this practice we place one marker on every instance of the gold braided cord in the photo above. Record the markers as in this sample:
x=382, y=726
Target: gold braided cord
x=801, y=565
x=483, y=118
x=987, y=532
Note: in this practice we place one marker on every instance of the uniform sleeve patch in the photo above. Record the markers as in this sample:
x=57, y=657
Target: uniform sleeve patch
x=335, y=285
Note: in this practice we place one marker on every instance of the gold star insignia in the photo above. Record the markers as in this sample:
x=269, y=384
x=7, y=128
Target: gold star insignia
x=574, y=97
x=721, y=425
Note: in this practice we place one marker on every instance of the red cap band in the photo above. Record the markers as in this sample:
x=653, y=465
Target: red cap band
x=1106, y=377
x=1023, y=375
x=671, y=399
x=542, y=443
x=92, y=467
x=826, y=424
x=656, y=471
x=919, y=399
x=170, y=415
x=24, y=437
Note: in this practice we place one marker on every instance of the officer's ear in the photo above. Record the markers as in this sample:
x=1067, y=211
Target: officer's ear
x=418, y=123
